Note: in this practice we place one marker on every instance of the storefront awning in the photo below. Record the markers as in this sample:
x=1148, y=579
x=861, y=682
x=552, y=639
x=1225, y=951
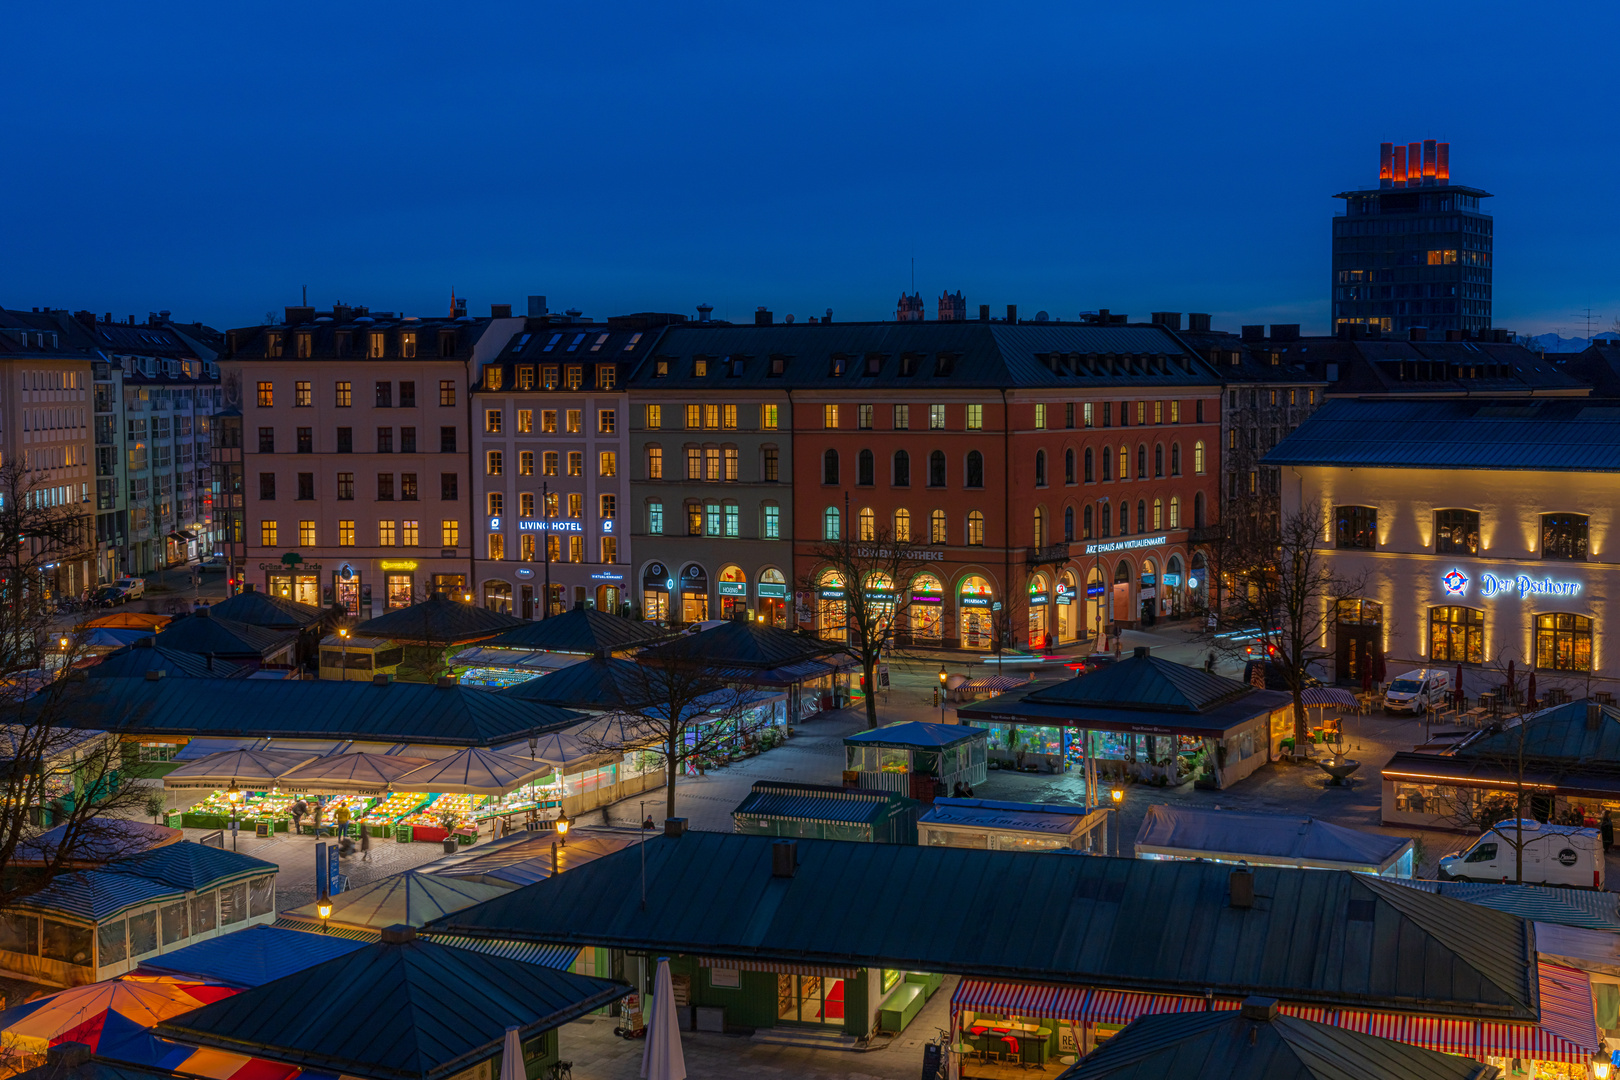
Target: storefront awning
x=779, y=968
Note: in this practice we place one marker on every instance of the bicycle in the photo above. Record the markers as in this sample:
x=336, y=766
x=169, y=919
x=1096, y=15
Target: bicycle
x=562, y=1070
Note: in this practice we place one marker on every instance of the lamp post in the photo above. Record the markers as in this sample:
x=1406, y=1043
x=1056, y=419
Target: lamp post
x=943, y=678
x=233, y=795
x=1602, y=1065
x=564, y=822
x=1117, y=794
x=343, y=632
x=324, y=910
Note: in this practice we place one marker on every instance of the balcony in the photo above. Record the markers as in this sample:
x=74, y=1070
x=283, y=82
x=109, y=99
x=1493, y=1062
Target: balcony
x=1052, y=553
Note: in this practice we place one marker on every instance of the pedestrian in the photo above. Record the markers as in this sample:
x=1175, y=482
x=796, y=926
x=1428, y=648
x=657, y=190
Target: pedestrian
x=1209, y=662
x=1606, y=827
x=365, y=844
x=342, y=819
x=299, y=809
x=318, y=811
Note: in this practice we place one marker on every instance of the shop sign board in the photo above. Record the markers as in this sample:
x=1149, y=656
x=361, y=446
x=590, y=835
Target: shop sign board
x=1457, y=583
x=733, y=588
x=542, y=525
x=767, y=589
x=1126, y=545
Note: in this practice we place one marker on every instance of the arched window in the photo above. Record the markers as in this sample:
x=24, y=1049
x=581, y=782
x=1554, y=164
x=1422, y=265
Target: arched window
x=1105, y=518
x=1158, y=460
x=1107, y=463
x=1085, y=523
x=1040, y=468
x=868, y=523
x=937, y=528
x=1175, y=459
x=1198, y=457
x=975, y=529
x=829, y=467
x=1141, y=462
x=1090, y=476
x=1141, y=515
x=1068, y=466
x=936, y=469
x=902, y=525
x=829, y=524
x=975, y=470
x=1040, y=527
x=1175, y=512
x=1198, y=510
x=1124, y=463
x=1158, y=515
x=1068, y=524
x=864, y=468
x=902, y=469
x=1125, y=518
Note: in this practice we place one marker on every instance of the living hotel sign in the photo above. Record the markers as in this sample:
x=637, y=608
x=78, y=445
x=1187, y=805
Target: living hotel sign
x=1490, y=586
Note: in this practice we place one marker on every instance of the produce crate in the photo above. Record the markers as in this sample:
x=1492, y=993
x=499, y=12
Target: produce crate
x=174, y=820
x=403, y=833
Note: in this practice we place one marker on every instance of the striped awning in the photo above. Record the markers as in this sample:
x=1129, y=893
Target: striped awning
x=1568, y=1029
x=560, y=957
x=1019, y=999
x=1433, y=1033
x=1319, y=1014
x=1122, y=1006
x=779, y=967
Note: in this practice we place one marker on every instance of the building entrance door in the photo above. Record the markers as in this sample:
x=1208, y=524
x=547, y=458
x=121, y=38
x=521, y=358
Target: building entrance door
x=1358, y=628
x=809, y=999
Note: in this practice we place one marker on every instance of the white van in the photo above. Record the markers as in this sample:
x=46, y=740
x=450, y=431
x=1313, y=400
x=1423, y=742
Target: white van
x=1417, y=690
x=1553, y=855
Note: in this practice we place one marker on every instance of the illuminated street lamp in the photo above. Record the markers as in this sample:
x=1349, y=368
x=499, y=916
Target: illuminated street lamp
x=343, y=632
x=943, y=677
x=233, y=795
x=324, y=910
x=1601, y=1066
x=563, y=825
x=1117, y=796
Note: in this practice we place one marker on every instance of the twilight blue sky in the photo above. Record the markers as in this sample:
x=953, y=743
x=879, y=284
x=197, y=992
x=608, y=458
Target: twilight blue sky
x=213, y=158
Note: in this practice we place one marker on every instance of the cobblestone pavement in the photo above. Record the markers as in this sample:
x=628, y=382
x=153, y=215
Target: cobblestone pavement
x=295, y=855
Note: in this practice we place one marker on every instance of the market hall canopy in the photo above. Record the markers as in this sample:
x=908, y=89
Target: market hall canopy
x=1278, y=839
x=134, y=660
x=582, y=630
x=245, y=768
x=205, y=635
x=1257, y=1042
x=602, y=683
x=402, y=712
x=916, y=734
x=411, y=898
x=1129, y=924
x=250, y=957
x=752, y=653
x=439, y=621
x=474, y=771
x=1140, y=693
x=262, y=609
x=368, y=774
x=430, y=1010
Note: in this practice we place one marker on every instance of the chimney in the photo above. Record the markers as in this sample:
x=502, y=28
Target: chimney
x=398, y=934
x=1400, y=166
x=1386, y=165
x=704, y=311
x=828, y=317
x=67, y=1055
x=1594, y=715
x=460, y=308
x=297, y=316
x=675, y=827
x=1012, y=314
x=537, y=307
x=1417, y=333
x=1170, y=320
x=1261, y=1008
x=1285, y=331
x=1456, y=335
x=762, y=316
x=108, y=320
x=1198, y=322
x=1242, y=888
x=1142, y=652
x=1442, y=162
x=984, y=312
x=500, y=311
x=341, y=312
x=163, y=316
x=445, y=682
x=1428, y=162
x=1254, y=333
x=784, y=858
x=155, y=674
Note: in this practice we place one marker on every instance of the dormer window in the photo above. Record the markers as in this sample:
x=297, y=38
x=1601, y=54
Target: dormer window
x=700, y=368
x=375, y=346
x=661, y=369
x=407, y=344
x=835, y=365
x=943, y=365
x=303, y=346
x=778, y=366
x=874, y=364
x=908, y=364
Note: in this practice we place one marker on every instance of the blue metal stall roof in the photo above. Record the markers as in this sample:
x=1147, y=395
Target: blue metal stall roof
x=814, y=802
x=917, y=734
x=95, y=895
x=250, y=957
x=989, y=814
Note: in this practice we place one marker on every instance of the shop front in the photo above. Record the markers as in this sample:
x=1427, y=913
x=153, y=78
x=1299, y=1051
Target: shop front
x=1096, y=603
x=832, y=614
x=926, y=613
x=656, y=583
x=975, y=603
x=1147, y=594
x=1039, y=621
x=1065, y=610
x=452, y=585
x=1172, y=604
x=300, y=584
x=732, y=589
x=399, y=578
x=1198, y=582
x=498, y=596
x=773, y=598
x=694, y=586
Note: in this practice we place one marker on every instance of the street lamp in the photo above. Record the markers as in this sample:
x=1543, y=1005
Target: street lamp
x=64, y=643
x=1601, y=1066
x=563, y=825
x=943, y=677
x=233, y=795
x=1117, y=794
x=343, y=632
x=324, y=910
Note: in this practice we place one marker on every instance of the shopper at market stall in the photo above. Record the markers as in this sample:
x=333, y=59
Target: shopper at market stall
x=342, y=819
x=298, y=810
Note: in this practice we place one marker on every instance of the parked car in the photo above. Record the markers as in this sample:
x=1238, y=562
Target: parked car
x=1417, y=690
x=107, y=596
x=134, y=587
x=212, y=564
x=1553, y=855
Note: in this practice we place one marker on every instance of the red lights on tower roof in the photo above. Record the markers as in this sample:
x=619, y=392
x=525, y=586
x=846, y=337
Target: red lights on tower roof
x=1424, y=164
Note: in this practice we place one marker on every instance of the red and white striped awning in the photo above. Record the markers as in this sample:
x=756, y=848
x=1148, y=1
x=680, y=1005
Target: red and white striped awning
x=1568, y=1028
x=1431, y=1032
x=779, y=967
x=1021, y=999
x=1320, y=1014
x=1123, y=1006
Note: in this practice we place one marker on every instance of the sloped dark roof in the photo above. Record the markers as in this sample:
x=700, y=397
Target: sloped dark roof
x=597, y=683
x=201, y=633
x=189, y=865
x=1228, y=1045
x=916, y=733
x=1598, y=364
x=1226, y=834
x=1145, y=682
x=93, y=895
x=742, y=644
x=431, y=1010
x=1556, y=734
x=1552, y=435
x=818, y=802
x=439, y=620
x=582, y=630
x=276, y=708
x=134, y=660
x=1129, y=924
x=94, y=1069
x=262, y=609
x=250, y=957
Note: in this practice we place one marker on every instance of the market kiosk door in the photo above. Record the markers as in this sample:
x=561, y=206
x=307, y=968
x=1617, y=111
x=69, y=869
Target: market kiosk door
x=809, y=999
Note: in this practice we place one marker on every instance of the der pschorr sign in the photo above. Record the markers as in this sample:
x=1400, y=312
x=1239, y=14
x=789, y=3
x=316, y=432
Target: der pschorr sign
x=1456, y=583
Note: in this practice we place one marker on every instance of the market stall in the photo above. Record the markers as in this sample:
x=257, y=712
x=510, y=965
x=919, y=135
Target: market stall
x=907, y=757
x=477, y=785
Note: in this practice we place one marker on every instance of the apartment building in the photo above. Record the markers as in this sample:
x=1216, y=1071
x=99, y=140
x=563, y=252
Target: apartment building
x=45, y=429
x=344, y=453
x=550, y=464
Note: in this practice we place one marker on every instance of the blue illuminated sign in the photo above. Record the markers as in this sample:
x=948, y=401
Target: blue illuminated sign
x=1456, y=583
x=533, y=525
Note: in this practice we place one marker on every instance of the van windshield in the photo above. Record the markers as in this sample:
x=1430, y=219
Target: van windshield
x=1405, y=686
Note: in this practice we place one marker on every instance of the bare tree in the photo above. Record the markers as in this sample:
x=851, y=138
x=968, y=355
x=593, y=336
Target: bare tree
x=874, y=572
x=673, y=703
x=1285, y=587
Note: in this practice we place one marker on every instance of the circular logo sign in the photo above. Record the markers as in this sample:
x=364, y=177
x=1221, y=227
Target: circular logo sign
x=656, y=570
x=1456, y=583
x=1568, y=857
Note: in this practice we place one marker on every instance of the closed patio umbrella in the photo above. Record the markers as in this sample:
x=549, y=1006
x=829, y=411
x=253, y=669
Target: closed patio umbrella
x=512, y=1056
x=1530, y=691
x=661, y=1058
x=1457, y=690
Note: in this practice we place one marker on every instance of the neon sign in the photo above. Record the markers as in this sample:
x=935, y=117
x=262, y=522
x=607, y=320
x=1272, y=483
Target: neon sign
x=1126, y=545
x=1455, y=583
x=534, y=525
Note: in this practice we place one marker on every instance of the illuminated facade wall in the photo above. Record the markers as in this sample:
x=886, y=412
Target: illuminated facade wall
x=1496, y=597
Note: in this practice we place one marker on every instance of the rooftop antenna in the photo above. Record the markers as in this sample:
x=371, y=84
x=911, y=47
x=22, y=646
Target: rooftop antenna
x=1588, y=318
x=306, y=296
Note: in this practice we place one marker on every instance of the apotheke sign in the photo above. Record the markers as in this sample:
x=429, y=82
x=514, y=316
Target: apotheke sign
x=1457, y=583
